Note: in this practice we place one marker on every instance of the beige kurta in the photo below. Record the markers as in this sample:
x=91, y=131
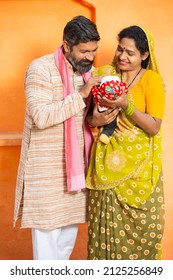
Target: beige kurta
x=42, y=200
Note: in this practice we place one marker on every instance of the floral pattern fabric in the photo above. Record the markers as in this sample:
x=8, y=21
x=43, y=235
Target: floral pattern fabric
x=126, y=201
x=118, y=231
x=131, y=163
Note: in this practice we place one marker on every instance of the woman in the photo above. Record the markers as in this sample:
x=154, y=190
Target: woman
x=126, y=203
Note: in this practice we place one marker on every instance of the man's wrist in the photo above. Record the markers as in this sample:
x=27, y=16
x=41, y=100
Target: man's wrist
x=90, y=123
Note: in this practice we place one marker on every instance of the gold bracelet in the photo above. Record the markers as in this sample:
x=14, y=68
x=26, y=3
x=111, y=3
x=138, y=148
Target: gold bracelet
x=129, y=110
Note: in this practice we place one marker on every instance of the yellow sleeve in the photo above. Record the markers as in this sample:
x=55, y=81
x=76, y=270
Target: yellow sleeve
x=154, y=95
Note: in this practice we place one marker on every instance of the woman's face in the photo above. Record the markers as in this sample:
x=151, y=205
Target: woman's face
x=128, y=56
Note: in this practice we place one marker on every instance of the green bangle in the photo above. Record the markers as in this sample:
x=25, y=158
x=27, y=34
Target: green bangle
x=129, y=110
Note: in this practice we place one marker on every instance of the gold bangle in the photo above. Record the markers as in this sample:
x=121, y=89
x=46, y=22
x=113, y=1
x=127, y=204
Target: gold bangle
x=129, y=110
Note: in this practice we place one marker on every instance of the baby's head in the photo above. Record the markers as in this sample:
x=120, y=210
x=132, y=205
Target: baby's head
x=110, y=78
x=111, y=87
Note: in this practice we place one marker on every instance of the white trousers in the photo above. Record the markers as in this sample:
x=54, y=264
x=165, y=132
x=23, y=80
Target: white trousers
x=56, y=244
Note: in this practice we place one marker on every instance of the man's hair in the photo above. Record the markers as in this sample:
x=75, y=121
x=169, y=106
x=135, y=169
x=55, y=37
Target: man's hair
x=80, y=30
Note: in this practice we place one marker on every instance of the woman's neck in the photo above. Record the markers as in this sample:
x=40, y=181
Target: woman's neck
x=131, y=77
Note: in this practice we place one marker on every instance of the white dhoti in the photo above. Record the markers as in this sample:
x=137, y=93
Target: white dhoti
x=56, y=244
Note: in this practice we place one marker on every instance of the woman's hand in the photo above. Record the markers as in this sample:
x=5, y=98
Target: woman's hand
x=119, y=102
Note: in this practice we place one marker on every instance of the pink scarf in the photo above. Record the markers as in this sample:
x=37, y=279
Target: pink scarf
x=74, y=163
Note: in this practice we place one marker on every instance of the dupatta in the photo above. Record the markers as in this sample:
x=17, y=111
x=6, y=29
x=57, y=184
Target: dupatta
x=74, y=164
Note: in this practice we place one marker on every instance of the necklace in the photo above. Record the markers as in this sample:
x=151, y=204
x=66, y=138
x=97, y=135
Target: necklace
x=133, y=78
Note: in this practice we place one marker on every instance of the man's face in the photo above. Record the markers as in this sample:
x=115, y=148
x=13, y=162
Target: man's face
x=81, y=57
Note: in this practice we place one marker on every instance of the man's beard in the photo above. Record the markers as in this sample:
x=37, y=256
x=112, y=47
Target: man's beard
x=79, y=65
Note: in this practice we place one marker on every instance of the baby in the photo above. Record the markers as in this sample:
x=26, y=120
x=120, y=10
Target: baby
x=111, y=87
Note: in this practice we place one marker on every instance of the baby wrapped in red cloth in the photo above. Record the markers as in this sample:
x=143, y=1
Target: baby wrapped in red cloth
x=111, y=87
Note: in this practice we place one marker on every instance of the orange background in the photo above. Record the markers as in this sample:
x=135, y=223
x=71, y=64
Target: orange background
x=29, y=29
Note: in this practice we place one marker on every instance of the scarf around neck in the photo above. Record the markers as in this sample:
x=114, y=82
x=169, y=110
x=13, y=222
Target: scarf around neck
x=75, y=170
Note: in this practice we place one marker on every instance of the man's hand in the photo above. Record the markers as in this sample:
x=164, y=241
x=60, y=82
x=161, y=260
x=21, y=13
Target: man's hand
x=86, y=89
x=97, y=119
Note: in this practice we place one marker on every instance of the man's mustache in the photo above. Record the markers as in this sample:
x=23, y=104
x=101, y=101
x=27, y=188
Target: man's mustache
x=86, y=60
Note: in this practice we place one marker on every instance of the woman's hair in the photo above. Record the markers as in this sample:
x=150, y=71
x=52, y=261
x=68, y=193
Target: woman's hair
x=138, y=35
x=80, y=30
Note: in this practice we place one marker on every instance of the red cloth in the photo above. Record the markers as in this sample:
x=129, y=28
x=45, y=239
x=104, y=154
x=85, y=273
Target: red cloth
x=109, y=89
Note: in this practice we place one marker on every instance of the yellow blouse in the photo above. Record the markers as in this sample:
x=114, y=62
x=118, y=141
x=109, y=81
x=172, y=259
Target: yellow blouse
x=148, y=94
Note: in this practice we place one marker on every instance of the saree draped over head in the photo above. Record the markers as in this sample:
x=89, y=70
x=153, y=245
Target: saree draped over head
x=126, y=203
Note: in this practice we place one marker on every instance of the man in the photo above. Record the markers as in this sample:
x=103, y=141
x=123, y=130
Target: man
x=50, y=195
